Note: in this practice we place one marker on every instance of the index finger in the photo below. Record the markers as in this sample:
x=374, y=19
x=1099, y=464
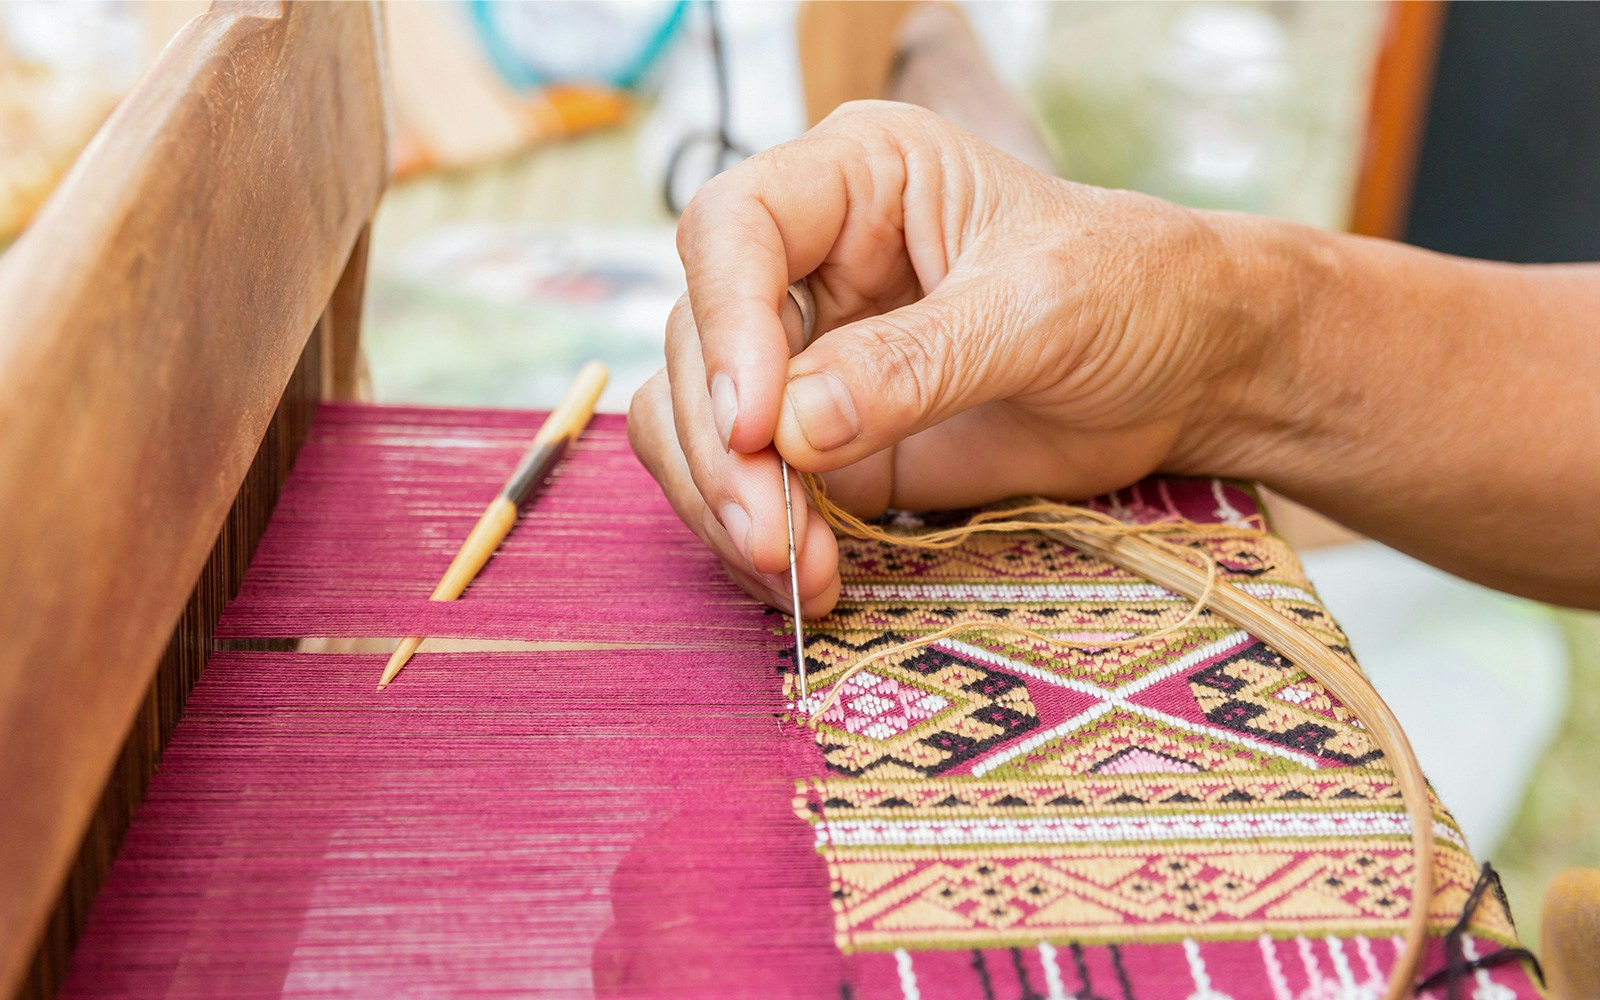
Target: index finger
x=750, y=232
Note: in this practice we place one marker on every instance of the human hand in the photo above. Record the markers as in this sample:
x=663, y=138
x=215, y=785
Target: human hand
x=983, y=331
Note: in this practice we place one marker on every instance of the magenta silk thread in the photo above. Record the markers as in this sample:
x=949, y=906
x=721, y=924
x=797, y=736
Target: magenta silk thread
x=613, y=822
x=383, y=496
x=599, y=822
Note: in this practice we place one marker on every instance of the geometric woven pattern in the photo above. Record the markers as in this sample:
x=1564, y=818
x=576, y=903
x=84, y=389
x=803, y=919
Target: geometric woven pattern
x=993, y=793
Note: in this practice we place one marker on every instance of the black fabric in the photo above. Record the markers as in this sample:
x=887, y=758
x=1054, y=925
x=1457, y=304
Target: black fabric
x=1510, y=160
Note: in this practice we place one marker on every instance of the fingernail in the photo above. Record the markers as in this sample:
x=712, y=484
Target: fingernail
x=724, y=407
x=824, y=410
x=737, y=524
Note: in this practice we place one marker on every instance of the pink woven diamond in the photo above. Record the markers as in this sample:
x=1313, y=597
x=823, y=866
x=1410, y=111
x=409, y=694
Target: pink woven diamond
x=881, y=708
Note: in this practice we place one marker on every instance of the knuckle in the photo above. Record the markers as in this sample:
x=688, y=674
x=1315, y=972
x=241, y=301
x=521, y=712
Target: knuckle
x=689, y=226
x=875, y=112
x=708, y=476
x=908, y=359
x=693, y=512
x=703, y=522
x=857, y=110
x=699, y=216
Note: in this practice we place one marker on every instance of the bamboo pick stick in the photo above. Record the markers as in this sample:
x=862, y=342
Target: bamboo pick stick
x=559, y=430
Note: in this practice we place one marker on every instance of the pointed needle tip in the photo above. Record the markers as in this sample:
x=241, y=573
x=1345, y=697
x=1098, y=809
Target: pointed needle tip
x=794, y=580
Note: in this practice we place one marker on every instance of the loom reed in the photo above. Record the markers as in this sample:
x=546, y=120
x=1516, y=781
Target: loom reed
x=180, y=668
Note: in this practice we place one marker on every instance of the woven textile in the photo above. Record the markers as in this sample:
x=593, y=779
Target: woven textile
x=629, y=803
x=1193, y=814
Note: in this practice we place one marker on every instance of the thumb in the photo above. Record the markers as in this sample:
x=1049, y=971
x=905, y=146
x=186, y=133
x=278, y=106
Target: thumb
x=867, y=385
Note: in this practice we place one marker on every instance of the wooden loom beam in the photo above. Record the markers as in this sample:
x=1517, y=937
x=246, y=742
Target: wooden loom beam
x=150, y=322
x=1397, y=111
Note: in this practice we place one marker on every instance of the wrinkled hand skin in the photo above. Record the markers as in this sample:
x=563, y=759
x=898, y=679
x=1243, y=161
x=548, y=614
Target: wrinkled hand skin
x=986, y=331
x=983, y=331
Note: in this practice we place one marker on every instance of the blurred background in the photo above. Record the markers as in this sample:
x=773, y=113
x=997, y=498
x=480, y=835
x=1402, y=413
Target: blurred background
x=540, y=149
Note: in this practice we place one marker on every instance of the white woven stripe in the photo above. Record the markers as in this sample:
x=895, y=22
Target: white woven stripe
x=908, y=975
x=1104, y=829
x=1052, y=972
x=1041, y=593
x=1127, y=690
x=1118, y=698
x=1275, y=976
x=1341, y=969
x=1486, y=988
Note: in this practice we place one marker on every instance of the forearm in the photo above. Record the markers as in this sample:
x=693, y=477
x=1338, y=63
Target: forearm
x=1448, y=407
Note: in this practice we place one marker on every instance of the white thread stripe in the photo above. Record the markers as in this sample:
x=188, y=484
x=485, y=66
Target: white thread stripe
x=1216, y=732
x=1052, y=972
x=1369, y=961
x=1038, y=740
x=908, y=975
x=1093, y=712
x=846, y=833
x=1197, y=971
x=1133, y=687
x=1039, y=593
x=1341, y=968
x=1197, y=966
x=1275, y=976
x=1308, y=958
x=1118, y=698
x=1225, y=510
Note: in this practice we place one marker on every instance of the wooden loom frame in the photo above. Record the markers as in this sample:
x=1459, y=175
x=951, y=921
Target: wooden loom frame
x=202, y=264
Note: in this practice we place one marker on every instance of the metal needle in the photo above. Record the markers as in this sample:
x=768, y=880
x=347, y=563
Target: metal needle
x=806, y=303
x=794, y=582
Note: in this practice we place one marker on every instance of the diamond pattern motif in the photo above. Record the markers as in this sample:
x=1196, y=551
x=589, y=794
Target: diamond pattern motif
x=882, y=708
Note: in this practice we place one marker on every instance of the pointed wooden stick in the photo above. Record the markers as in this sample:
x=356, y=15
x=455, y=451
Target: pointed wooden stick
x=559, y=430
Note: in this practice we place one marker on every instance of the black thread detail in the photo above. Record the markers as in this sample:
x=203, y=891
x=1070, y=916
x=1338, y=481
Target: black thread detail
x=1087, y=991
x=1492, y=960
x=982, y=969
x=1457, y=966
x=1028, y=992
x=1122, y=974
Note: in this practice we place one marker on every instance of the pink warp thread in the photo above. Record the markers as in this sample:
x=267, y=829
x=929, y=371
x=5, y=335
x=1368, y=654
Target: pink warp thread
x=594, y=823
x=381, y=498
x=507, y=824
x=612, y=822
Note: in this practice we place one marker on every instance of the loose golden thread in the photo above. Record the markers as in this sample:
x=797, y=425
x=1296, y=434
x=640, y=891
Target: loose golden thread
x=1032, y=516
